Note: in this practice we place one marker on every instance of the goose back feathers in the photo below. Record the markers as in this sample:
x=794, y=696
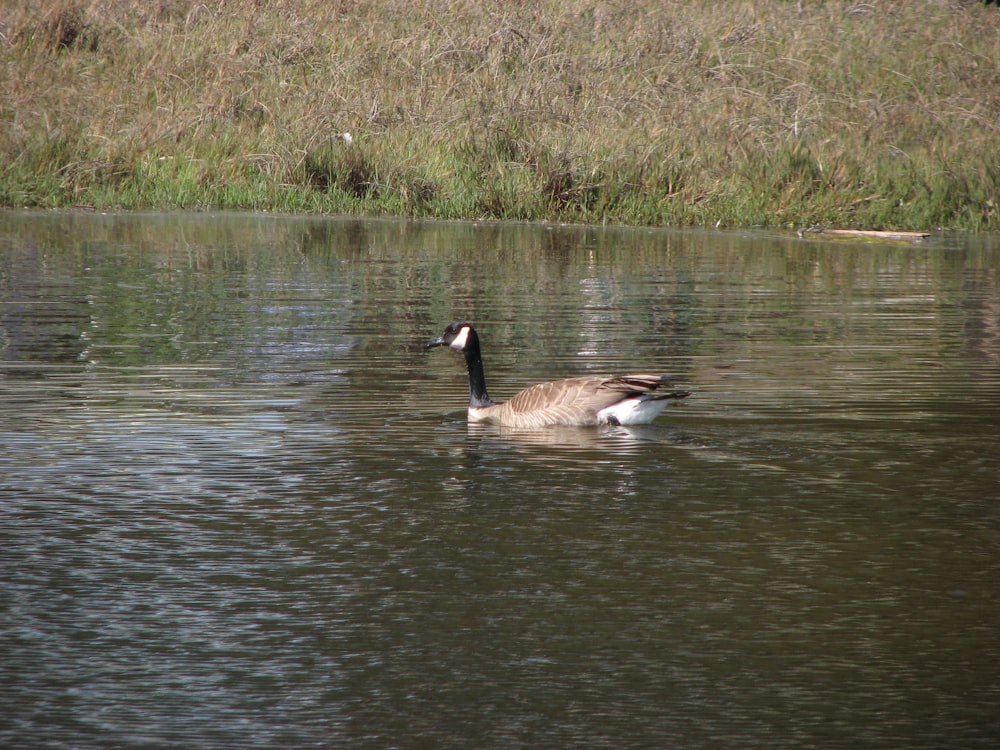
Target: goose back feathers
x=583, y=401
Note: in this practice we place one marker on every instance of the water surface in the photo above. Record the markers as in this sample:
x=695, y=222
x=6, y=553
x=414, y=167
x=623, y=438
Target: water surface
x=240, y=505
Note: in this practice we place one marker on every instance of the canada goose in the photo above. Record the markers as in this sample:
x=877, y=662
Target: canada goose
x=583, y=402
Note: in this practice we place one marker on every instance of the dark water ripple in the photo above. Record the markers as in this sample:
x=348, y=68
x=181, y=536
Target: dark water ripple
x=240, y=505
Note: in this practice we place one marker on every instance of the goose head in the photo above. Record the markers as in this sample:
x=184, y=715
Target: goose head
x=459, y=336
x=462, y=337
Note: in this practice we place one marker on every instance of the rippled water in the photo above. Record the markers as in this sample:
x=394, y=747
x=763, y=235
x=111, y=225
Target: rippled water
x=240, y=505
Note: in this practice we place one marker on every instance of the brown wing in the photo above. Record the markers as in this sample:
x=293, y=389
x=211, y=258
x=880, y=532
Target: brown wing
x=573, y=401
x=636, y=383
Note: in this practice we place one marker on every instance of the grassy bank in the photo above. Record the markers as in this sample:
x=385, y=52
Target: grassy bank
x=773, y=113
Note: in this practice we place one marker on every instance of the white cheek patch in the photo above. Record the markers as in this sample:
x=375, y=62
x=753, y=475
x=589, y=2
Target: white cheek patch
x=461, y=339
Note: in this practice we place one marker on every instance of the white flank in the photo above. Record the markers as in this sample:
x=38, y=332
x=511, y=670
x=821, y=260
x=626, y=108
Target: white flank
x=461, y=339
x=632, y=411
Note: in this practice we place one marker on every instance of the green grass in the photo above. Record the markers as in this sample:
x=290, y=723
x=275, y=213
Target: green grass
x=773, y=113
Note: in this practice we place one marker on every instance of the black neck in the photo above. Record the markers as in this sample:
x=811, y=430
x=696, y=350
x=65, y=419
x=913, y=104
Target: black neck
x=477, y=377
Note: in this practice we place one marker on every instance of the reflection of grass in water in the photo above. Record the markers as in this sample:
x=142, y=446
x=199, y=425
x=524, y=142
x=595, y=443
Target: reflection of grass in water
x=777, y=114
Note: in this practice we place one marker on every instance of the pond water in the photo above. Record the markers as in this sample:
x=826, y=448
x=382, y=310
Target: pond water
x=240, y=505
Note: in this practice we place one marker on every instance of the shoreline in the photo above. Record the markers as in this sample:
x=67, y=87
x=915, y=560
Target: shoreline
x=647, y=114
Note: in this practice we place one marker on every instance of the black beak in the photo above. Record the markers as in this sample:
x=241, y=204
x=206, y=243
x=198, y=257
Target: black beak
x=439, y=341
